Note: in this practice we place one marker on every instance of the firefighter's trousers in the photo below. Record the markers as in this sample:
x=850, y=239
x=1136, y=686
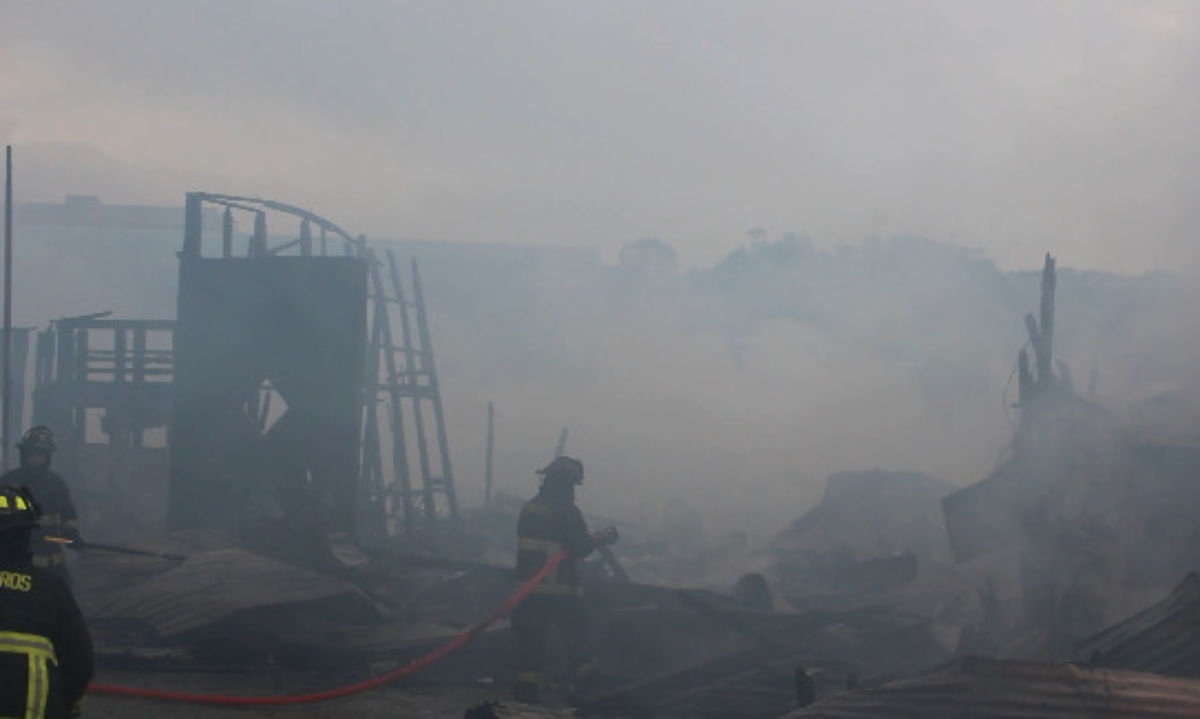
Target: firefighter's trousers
x=532, y=621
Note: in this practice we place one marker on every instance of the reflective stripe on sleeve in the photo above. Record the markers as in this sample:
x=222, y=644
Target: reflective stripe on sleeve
x=38, y=688
x=22, y=643
x=39, y=652
x=49, y=560
x=549, y=546
x=537, y=508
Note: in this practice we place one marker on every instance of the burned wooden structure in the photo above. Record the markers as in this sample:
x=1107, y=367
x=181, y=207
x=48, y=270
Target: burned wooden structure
x=105, y=386
x=296, y=388
x=1096, y=516
x=1039, y=382
x=298, y=367
x=403, y=376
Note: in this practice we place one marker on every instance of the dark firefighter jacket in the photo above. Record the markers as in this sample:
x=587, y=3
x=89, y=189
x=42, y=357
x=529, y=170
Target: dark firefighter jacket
x=58, y=512
x=550, y=523
x=45, y=649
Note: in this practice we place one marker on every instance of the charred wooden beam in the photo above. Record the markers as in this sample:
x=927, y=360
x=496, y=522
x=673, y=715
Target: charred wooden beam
x=306, y=242
x=1046, y=350
x=227, y=233
x=1024, y=379
x=258, y=243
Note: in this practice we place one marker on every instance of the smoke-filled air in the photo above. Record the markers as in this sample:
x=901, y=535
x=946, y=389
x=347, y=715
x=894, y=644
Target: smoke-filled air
x=863, y=333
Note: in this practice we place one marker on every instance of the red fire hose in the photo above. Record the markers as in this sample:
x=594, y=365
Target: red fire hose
x=412, y=667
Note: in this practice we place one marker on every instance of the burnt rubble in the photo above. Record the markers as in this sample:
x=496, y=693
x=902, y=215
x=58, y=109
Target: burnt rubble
x=1061, y=581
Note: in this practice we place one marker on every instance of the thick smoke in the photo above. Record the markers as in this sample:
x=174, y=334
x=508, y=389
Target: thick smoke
x=726, y=390
x=734, y=390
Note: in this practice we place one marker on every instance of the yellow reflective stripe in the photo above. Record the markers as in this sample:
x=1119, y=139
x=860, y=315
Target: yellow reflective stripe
x=549, y=546
x=538, y=508
x=22, y=643
x=39, y=650
x=48, y=560
x=561, y=590
x=38, y=688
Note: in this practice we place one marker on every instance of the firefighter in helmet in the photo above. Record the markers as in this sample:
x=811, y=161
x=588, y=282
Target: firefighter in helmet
x=45, y=650
x=550, y=523
x=59, y=519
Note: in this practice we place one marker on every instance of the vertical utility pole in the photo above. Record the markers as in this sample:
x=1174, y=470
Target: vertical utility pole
x=487, y=468
x=5, y=429
x=561, y=445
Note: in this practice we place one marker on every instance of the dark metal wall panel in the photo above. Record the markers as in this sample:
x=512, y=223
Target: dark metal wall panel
x=300, y=323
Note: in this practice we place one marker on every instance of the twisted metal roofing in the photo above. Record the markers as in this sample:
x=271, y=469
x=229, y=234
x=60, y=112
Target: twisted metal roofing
x=1002, y=689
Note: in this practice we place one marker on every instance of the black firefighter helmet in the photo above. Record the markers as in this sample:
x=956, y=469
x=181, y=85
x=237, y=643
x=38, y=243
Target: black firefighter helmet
x=17, y=509
x=566, y=470
x=37, y=439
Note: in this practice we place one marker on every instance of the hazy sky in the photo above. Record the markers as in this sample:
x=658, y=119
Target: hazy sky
x=1012, y=126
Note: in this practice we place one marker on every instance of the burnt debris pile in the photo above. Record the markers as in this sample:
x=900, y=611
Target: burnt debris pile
x=273, y=468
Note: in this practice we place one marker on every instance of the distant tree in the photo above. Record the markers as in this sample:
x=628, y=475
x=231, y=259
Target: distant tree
x=648, y=254
x=786, y=249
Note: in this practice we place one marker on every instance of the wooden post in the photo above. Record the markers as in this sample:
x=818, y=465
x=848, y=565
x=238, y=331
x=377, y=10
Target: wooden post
x=6, y=429
x=192, y=224
x=306, y=244
x=429, y=366
x=412, y=374
x=386, y=346
x=1024, y=379
x=258, y=243
x=227, y=233
x=120, y=349
x=561, y=445
x=1045, y=355
x=487, y=467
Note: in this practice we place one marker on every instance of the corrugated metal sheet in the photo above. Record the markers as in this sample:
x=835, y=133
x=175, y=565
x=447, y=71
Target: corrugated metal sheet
x=1002, y=689
x=212, y=586
x=1164, y=638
